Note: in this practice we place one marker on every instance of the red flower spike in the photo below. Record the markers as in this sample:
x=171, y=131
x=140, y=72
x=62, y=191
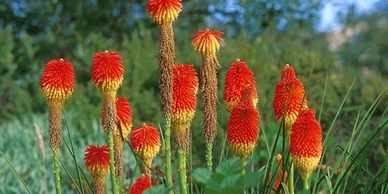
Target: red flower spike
x=57, y=81
x=145, y=142
x=289, y=97
x=124, y=117
x=207, y=41
x=164, y=11
x=107, y=71
x=306, y=143
x=185, y=87
x=97, y=160
x=237, y=78
x=243, y=127
x=141, y=184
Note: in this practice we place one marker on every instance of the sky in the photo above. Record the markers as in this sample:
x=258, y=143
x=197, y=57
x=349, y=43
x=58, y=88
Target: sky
x=329, y=19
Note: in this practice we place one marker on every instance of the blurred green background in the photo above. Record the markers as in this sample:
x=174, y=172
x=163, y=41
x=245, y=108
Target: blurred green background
x=265, y=33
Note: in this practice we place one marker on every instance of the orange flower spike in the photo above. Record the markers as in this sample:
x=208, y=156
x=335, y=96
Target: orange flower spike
x=289, y=97
x=164, y=11
x=97, y=162
x=141, y=184
x=56, y=85
x=145, y=142
x=57, y=81
x=237, y=78
x=107, y=72
x=207, y=42
x=124, y=117
x=185, y=88
x=306, y=143
x=282, y=174
x=243, y=127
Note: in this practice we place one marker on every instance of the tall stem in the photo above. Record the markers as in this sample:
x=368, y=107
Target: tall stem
x=291, y=177
x=209, y=156
x=306, y=183
x=167, y=147
x=56, y=171
x=182, y=171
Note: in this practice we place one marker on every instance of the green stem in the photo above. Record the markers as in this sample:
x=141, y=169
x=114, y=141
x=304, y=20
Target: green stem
x=112, y=162
x=182, y=171
x=306, y=183
x=291, y=178
x=167, y=147
x=57, y=177
x=244, y=163
x=209, y=156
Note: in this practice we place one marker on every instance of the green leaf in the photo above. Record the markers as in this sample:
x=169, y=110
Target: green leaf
x=230, y=166
x=251, y=179
x=202, y=175
x=232, y=190
x=230, y=181
x=160, y=189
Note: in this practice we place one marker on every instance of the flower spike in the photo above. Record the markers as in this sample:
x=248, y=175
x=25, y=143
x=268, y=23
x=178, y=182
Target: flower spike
x=145, y=142
x=306, y=143
x=237, y=78
x=97, y=162
x=243, y=127
x=207, y=42
x=164, y=11
x=107, y=72
x=141, y=184
x=289, y=97
x=185, y=87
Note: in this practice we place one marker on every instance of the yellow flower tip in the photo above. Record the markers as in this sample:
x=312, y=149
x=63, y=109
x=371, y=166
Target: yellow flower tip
x=242, y=150
x=305, y=165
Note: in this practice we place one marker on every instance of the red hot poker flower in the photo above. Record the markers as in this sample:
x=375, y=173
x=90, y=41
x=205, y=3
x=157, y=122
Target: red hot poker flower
x=243, y=127
x=124, y=117
x=185, y=87
x=97, y=160
x=289, y=97
x=107, y=71
x=306, y=143
x=237, y=78
x=207, y=41
x=141, y=184
x=145, y=142
x=164, y=11
x=57, y=81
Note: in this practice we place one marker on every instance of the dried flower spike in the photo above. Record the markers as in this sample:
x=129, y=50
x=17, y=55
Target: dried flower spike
x=107, y=72
x=185, y=87
x=97, y=162
x=306, y=143
x=164, y=11
x=206, y=42
x=243, y=127
x=237, y=78
x=141, y=184
x=289, y=97
x=145, y=142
